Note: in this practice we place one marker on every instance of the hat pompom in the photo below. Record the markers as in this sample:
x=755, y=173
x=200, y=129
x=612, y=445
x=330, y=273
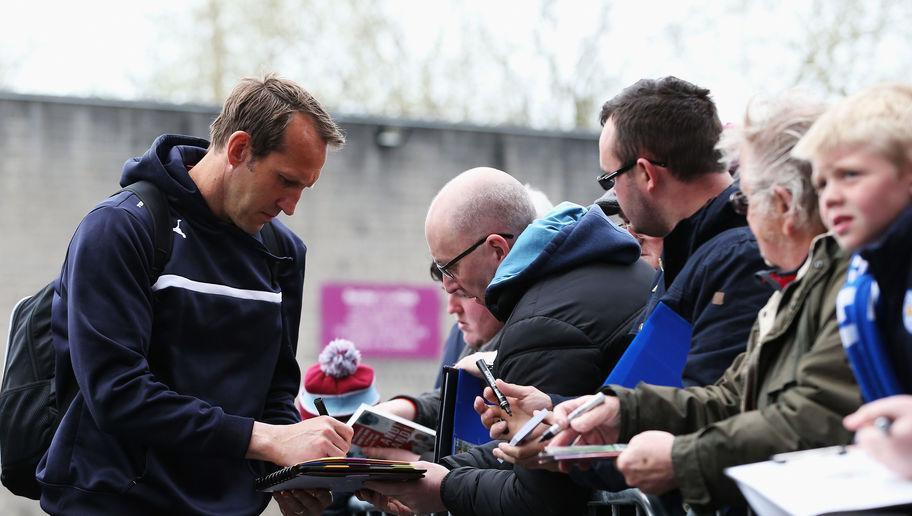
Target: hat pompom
x=339, y=358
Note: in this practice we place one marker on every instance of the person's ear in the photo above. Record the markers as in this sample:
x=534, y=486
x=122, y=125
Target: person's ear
x=500, y=245
x=782, y=207
x=238, y=148
x=652, y=174
x=782, y=200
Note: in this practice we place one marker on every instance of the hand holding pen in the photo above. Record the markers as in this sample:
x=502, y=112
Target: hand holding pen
x=596, y=422
x=883, y=429
x=524, y=401
x=321, y=407
x=489, y=379
x=588, y=405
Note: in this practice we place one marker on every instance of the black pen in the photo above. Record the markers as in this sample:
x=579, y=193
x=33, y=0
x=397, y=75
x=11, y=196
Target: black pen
x=489, y=379
x=321, y=408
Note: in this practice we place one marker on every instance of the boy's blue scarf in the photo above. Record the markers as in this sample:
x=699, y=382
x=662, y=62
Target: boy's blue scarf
x=864, y=345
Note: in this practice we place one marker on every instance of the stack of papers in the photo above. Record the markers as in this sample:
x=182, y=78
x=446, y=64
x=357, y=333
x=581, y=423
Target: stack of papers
x=579, y=453
x=337, y=474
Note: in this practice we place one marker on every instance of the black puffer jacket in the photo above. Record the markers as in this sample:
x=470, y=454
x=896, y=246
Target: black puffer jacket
x=569, y=290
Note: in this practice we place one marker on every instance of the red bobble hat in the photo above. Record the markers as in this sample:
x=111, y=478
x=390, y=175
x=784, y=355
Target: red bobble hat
x=338, y=378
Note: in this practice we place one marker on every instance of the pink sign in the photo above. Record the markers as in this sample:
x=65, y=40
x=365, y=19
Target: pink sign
x=396, y=321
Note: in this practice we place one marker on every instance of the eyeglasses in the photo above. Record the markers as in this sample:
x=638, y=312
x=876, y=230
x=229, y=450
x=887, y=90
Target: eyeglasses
x=738, y=202
x=445, y=268
x=606, y=180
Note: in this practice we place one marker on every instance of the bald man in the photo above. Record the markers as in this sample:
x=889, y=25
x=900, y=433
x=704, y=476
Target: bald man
x=547, y=280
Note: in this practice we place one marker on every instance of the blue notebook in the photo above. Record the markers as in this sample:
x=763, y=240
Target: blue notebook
x=459, y=427
x=467, y=428
x=657, y=354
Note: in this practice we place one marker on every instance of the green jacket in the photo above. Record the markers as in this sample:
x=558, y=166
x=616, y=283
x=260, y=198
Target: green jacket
x=788, y=391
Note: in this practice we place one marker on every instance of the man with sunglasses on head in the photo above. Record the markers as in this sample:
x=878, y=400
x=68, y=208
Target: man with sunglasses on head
x=568, y=286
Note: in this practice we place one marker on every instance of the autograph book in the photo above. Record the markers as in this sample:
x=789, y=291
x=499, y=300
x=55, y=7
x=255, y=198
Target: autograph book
x=337, y=474
x=580, y=453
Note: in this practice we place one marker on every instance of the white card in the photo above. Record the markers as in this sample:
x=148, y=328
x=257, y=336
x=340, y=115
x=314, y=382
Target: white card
x=537, y=417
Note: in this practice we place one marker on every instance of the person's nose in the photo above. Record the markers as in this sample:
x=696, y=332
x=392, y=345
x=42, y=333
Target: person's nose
x=449, y=284
x=454, y=303
x=830, y=196
x=289, y=201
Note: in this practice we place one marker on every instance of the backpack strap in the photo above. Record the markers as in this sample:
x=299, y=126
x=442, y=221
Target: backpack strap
x=157, y=204
x=270, y=239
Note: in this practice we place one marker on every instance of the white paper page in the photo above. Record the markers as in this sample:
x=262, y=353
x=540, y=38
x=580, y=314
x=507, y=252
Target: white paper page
x=820, y=483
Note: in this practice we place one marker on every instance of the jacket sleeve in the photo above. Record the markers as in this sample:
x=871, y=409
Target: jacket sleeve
x=109, y=325
x=670, y=409
x=806, y=413
x=427, y=407
x=481, y=456
x=652, y=407
x=552, y=355
x=286, y=379
x=719, y=294
x=520, y=492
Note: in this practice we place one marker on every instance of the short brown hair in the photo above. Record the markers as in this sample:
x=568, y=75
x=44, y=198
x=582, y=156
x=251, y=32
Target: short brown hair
x=669, y=120
x=263, y=107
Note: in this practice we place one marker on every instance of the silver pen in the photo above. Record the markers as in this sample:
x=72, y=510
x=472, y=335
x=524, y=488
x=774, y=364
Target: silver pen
x=593, y=402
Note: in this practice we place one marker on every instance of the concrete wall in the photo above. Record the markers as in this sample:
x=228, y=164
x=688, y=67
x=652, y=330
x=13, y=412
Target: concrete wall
x=362, y=222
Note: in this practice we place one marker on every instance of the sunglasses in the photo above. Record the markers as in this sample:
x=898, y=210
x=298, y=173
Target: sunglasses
x=606, y=180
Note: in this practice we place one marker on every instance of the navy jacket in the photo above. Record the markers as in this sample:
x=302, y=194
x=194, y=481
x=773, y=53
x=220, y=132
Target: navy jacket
x=709, y=264
x=710, y=260
x=171, y=376
x=890, y=262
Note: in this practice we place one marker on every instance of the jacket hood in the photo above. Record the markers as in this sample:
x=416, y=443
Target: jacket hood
x=568, y=236
x=165, y=165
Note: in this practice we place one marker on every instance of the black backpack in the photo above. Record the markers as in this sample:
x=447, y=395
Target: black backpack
x=30, y=409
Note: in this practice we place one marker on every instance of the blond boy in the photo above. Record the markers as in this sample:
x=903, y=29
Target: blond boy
x=861, y=151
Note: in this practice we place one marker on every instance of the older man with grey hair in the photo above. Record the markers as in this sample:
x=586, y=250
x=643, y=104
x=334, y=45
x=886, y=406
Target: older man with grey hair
x=548, y=280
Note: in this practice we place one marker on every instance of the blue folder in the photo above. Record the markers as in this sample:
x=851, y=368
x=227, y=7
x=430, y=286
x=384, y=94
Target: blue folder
x=657, y=354
x=459, y=427
x=467, y=427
